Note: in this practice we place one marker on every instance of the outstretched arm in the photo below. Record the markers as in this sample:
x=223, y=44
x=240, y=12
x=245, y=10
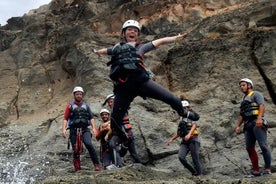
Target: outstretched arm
x=101, y=52
x=166, y=40
x=172, y=139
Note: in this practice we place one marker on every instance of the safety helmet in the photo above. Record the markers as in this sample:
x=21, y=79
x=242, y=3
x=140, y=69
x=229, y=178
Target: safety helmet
x=110, y=96
x=185, y=103
x=77, y=88
x=131, y=23
x=104, y=111
x=247, y=81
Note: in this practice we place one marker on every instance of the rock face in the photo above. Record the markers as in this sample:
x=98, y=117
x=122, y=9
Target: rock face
x=48, y=51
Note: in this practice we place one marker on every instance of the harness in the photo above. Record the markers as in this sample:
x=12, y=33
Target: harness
x=126, y=124
x=248, y=107
x=79, y=116
x=184, y=127
x=124, y=60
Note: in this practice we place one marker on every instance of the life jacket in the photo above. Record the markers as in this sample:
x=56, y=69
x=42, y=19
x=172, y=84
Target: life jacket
x=79, y=116
x=124, y=59
x=248, y=107
x=184, y=128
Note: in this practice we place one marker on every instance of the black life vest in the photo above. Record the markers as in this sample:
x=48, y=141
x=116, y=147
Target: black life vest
x=79, y=116
x=124, y=59
x=248, y=107
x=184, y=127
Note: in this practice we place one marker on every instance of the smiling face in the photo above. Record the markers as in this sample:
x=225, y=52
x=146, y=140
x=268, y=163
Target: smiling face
x=131, y=34
x=105, y=116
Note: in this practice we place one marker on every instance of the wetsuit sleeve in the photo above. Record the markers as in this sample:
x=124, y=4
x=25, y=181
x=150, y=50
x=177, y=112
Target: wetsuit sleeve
x=109, y=51
x=144, y=48
x=258, y=98
x=67, y=112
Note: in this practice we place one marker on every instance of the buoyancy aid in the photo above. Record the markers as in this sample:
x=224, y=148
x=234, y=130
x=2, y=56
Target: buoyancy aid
x=185, y=126
x=248, y=107
x=79, y=116
x=124, y=58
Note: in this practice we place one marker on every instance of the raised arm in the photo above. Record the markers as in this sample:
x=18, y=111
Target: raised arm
x=166, y=40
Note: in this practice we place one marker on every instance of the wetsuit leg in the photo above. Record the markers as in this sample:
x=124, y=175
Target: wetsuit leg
x=194, y=148
x=133, y=152
x=261, y=136
x=114, y=144
x=88, y=144
x=73, y=140
x=182, y=153
x=154, y=90
x=250, y=142
x=121, y=103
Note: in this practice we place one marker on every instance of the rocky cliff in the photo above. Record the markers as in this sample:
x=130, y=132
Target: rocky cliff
x=48, y=51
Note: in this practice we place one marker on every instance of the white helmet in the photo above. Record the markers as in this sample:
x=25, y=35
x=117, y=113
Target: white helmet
x=104, y=111
x=247, y=81
x=185, y=103
x=78, y=88
x=131, y=23
x=110, y=96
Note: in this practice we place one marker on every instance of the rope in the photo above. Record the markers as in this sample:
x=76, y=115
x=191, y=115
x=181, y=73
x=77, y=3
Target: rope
x=78, y=146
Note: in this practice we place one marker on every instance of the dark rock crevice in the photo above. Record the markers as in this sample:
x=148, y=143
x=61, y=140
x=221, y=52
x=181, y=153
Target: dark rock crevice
x=257, y=42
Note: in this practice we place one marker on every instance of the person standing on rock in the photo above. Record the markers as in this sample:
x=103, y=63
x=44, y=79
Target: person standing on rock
x=255, y=126
x=116, y=143
x=130, y=77
x=78, y=117
x=187, y=131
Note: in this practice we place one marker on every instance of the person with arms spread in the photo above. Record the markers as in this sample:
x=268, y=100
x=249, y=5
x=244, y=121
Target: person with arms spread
x=130, y=77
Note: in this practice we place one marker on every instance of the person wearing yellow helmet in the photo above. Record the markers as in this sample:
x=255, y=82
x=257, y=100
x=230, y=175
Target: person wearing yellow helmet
x=187, y=131
x=255, y=129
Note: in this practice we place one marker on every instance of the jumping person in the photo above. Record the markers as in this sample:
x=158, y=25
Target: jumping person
x=77, y=118
x=187, y=131
x=130, y=77
x=252, y=116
